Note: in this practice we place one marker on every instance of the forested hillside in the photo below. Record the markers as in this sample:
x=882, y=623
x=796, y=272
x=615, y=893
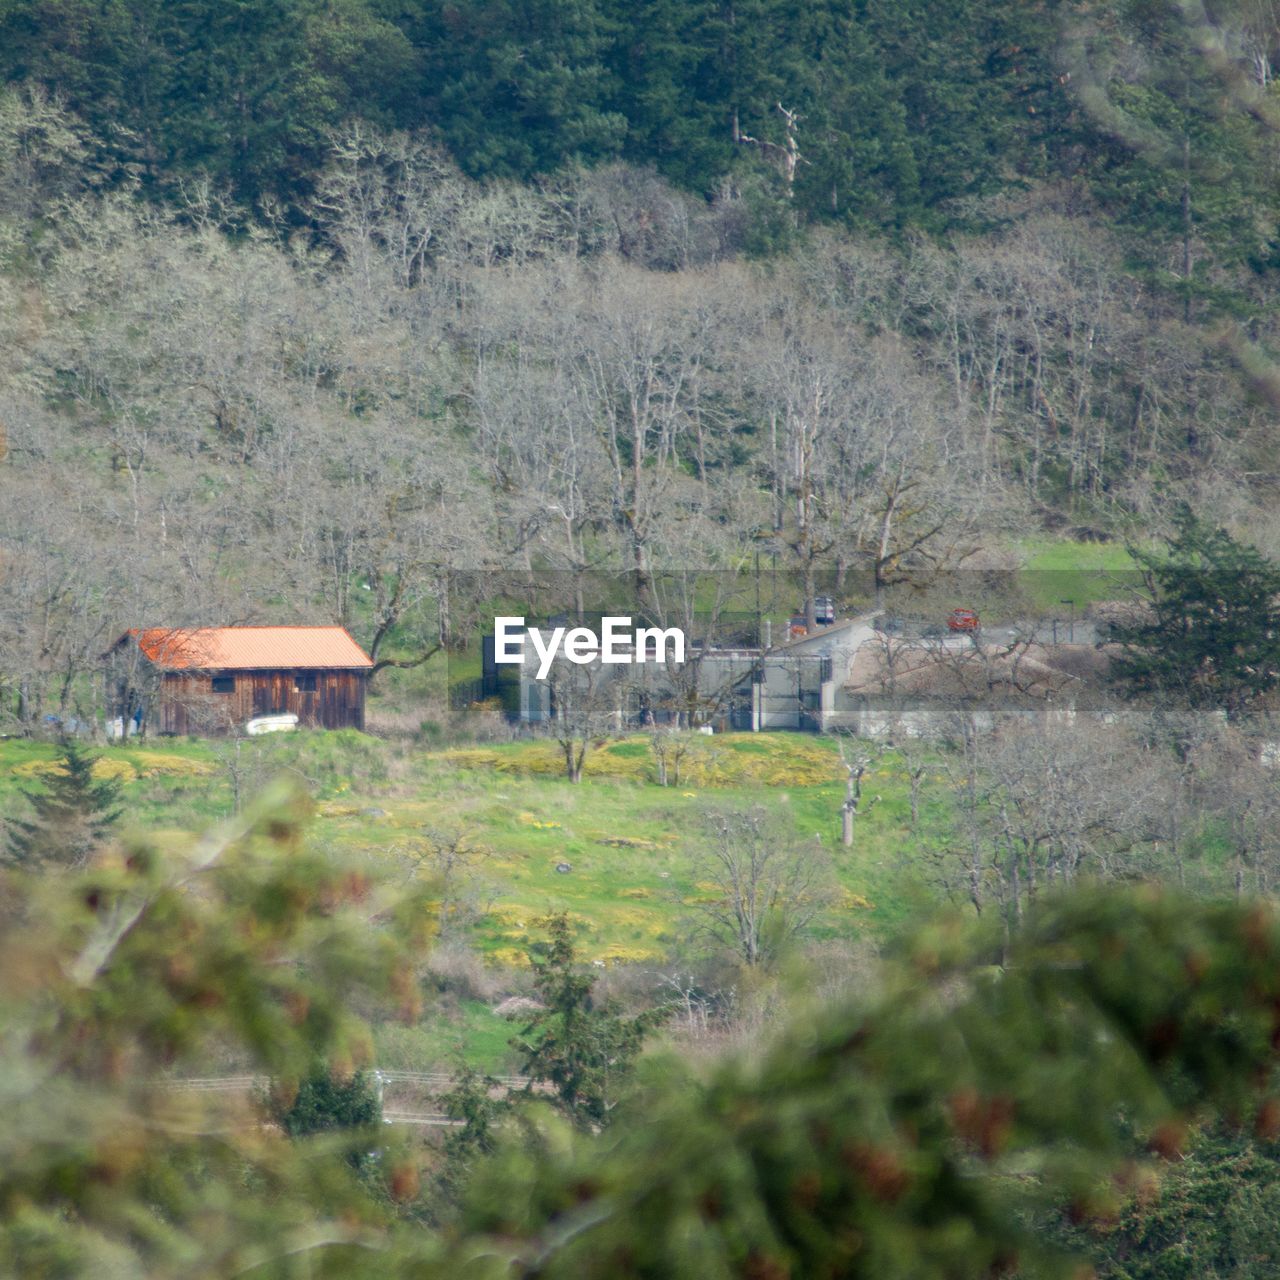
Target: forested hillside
x=906, y=112
x=903, y=106
x=305, y=304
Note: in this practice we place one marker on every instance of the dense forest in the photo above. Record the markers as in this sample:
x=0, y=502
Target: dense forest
x=900, y=109
x=894, y=115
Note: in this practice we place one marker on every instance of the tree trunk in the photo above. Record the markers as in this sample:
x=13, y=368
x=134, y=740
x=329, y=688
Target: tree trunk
x=1186, y=227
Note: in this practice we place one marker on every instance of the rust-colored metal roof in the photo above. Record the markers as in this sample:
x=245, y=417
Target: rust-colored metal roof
x=246, y=648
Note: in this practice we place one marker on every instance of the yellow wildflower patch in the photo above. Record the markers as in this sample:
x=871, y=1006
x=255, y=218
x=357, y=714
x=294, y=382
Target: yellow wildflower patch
x=154, y=763
x=532, y=820
x=510, y=915
x=330, y=810
x=636, y=916
x=855, y=901
x=120, y=770
x=724, y=760
x=628, y=955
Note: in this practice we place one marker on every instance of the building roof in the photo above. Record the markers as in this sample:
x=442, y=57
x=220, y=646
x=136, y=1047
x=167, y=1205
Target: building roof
x=247, y=648
x=942, y=669
x=821, y=637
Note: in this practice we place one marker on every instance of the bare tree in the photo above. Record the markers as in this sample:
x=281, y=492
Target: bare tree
x=1042, y=803
x=1235, y=788
x=671, y=748
x=787, y=153
x=768, y=886
x=456, y=864
x=856, y=761
x=917, y=755
x=586, y=710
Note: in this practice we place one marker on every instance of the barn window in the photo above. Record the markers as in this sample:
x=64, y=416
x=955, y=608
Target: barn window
x=305, y=684
x=223, y=684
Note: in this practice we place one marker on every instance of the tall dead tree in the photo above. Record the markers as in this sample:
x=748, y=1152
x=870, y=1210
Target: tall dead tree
x=787, y=154
x=856, y=766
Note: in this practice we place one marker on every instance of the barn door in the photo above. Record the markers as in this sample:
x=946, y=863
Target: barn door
x=261, y=693
x=270, y=692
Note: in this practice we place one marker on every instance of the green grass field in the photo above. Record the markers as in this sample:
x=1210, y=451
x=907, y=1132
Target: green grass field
x=449, y=1033
x=630, y=843
x=631, y=846
x=1059, y=569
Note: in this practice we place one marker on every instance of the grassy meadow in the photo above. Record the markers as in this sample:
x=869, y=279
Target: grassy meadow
x=630, y=845
x=629, y=842
x=617, y=852
x=1055, y=570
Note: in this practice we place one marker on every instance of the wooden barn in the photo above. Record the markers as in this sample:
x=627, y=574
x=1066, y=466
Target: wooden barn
x=214, y=680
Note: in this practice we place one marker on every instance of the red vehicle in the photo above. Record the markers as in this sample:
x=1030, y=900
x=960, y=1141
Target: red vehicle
x=962, y=620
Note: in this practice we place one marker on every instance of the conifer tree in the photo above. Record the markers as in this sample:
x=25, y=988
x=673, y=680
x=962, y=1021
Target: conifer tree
x=1182, y=154
x=1213, y=634
x=665, y=60
x=579, y=1044
x=325, y=1104
x=520, y=88
x=72, y=816
x=860, y=161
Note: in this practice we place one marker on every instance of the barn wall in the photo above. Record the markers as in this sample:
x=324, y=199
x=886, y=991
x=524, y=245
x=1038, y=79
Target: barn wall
x=186, y=703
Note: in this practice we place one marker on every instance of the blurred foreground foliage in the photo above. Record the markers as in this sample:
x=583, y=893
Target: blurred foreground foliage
x=1215, y=1215
x=933, y=1131
x=928, y=1130
x=252, y=950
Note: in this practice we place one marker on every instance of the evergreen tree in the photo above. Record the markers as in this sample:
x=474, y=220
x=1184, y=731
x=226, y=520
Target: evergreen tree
x=72, y=816
x=243, y=90
x=116, y=65
x=520, y=86
x=326, y=1104
x=264, y=80
x=583, y=1047
x=476, y=1112
x=1213, y=635
x=937, y=54
x=860, y=166
x=1182, y=152
x=663, y=68
x=761, y=63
